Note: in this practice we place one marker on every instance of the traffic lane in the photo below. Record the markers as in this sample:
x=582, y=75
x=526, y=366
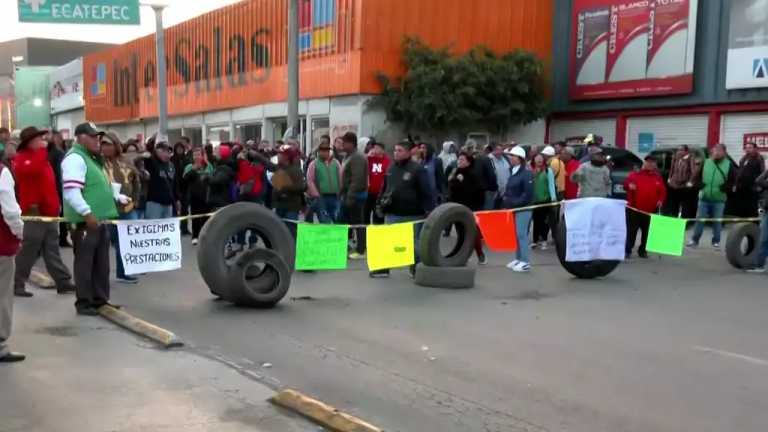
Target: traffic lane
x=618, y=354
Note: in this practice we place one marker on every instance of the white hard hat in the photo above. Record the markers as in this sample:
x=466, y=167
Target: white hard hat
x=516, y=151
x=548, y=151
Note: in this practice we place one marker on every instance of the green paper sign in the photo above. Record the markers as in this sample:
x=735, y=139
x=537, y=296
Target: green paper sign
x=666, y=236
x=80, y=11
x=321, y=247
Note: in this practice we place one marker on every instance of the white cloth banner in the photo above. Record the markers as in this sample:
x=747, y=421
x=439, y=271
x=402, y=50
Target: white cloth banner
x=596, y=229
x=150, y=245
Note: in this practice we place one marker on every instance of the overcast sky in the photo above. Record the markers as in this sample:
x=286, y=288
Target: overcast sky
x=178, y=11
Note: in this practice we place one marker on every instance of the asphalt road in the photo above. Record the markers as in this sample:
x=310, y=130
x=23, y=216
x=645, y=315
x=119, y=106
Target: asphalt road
x=666, y=344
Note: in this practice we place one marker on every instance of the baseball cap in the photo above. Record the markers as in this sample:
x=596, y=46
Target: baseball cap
x=651, y=158
x=548, y=151
x=87, y=129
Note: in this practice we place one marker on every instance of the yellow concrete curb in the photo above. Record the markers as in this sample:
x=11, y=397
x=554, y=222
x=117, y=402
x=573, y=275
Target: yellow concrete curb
x=143, y=328
x=42, y=280
x=324, y=415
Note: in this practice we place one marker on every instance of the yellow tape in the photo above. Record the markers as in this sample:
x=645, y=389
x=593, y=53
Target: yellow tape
x=106, y=222
x=702, y=219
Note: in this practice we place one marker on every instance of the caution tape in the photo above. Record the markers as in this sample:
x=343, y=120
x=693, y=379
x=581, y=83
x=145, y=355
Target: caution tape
x=703, y=220
x=47, y=219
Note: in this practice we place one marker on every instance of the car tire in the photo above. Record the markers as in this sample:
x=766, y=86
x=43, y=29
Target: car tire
x=263, y=288
x=445, y=277
x=734, y=253
x=443, y=217
x=582, y=270
x=214, y=267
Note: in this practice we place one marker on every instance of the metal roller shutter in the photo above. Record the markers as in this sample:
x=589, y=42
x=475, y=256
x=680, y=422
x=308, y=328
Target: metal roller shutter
x=560, y=130
x=665, y=132
x=734, y=127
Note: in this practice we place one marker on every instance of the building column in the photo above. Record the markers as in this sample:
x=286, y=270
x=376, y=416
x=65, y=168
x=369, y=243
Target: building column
x=621, y=131
x=204, y=132
x=713, y=128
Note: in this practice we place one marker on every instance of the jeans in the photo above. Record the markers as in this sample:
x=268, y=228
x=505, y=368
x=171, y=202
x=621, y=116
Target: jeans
x=119, y=269
x=288, y=215
x=707, y=210
x=522, y=225
x=326, y=208
x=490, y=200
x=158, y=211
x=353, y=215
x=762, y=254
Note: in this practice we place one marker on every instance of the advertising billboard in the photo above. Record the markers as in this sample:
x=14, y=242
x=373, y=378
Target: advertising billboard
x=748, y=45
x=625, y=49
x=66, y=87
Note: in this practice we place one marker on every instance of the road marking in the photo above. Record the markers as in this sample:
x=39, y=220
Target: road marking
x=749, y=359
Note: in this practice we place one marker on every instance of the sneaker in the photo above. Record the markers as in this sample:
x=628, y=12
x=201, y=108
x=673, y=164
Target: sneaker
x=534, y=245
x=643, y=255
x=87, y=311
x=482, y=260
x=716, y=246
x=66, y=288
x=128, y=280
x=379, y=274
x=522, y=267
x=692, y=244
x=513, y=264
x=543, y=245
x=194, y=242
x=356, y=256
x=757, y=270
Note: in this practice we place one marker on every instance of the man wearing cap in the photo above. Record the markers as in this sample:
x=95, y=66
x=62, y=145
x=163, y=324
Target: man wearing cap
x=88, y=201
x=163, y=191
x=645, y=192
x=38, y=196
x=324, y=183
x=593, y=177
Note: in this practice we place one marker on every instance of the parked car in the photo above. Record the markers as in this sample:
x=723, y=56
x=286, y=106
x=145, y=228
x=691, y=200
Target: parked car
x=664, y=157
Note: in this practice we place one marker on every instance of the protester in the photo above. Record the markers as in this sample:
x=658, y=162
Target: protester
x=195, y=179
x=36, y=192
x=435, y=171
x=56, y=153
x=162, y=188
x=448, y=155
x=288, y=184
x=502, y=170
x=744, y=197
x=9, y=154
x=485, y=173
x=221, y=181
x=338, y=149
x=555, y=162
x=593, y=144
x=324, y=184
x=594, y=177
x=5, y=138
x=407, y=194
x=11, y=235
x=251, y=176
x=683, y=193
x=464, y=189
x=180, y=160
x=519, y=194
x=124, y=174
x=568, y=156
x=143, y=193
x=354, y=190
x=88, y=201
x=761, y=184
x=717, y=178
x=544, y=192
x=378, y=165
x=645, y=192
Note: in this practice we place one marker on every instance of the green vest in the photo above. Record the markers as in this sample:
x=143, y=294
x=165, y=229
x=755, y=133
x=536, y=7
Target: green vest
x=327, y=178
x=541, y=187
x=97, y=191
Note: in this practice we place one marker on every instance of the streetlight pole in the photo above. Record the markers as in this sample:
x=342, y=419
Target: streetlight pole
x=293, y=67
x=162, y=88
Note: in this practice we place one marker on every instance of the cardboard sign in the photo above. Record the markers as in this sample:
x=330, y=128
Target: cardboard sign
x=596, y=229
x=390, y=246
x=150, y=246
x=321, y=247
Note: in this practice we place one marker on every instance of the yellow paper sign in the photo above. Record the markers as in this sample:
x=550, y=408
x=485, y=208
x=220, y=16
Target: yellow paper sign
x=390, y=246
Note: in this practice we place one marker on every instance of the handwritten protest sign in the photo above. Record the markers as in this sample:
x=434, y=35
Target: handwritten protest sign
x=150, y=246
x=390, y=246
x=321, y=247
x=596, y=229
x=666, y=235
x=498, y=229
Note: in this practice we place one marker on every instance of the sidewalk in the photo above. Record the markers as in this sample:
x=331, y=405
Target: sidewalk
x=85, y=374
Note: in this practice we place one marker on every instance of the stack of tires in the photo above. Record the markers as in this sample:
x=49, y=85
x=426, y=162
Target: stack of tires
x=449, y=270
x=257, y=276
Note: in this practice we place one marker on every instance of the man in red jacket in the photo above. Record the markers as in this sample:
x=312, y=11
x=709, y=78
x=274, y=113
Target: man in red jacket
x=378, y=164
x=37, y=195
x=645, y=192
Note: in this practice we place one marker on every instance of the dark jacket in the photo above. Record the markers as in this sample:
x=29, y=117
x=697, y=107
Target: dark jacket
x=162, y=187
x=519, y=191
x=354, y=177
x=485, y=173
x=220, y=185
x=291, y=196
x=464, y=188
x=407, y=191
x=761, y=183
x=56, y=157
x=195, y=182
x=750, y=169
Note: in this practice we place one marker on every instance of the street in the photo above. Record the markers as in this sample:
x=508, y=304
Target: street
x=666, y=344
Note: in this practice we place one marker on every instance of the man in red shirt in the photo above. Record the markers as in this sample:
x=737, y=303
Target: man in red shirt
x=568, y=157
x=378, y=164
x=645, y=192
x=37, y=195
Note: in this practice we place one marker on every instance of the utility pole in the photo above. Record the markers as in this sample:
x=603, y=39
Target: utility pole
x=162, y=81
x=293, y=68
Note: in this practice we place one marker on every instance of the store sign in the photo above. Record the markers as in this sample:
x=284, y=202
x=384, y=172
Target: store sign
x=624, y=49
x=759, y=140
x=66, y=87
x=646, y=142
x=80, y=11
x=748, y=45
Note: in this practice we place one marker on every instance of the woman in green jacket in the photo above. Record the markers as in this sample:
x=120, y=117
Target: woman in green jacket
x=543, y=192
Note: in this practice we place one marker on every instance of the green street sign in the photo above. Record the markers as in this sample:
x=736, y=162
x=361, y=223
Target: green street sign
x=80, y=11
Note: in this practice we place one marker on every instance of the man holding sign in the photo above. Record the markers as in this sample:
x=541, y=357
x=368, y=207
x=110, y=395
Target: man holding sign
x=88, y=200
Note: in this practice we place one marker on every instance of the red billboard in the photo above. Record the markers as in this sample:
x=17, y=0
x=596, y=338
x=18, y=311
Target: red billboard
x=625, y=49
x=759, y=140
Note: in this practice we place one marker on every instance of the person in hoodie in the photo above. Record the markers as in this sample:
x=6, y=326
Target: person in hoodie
x=195, y=180
x=448, y=156
x=435, y=171
x=485, y=173
x=288, y=185
x=378, y=165
x=646, y=192
x=544, y=192
x=593, y=177
x=518, y=194
x=464, y=189
x=36, y=191
x=162, y=192
x=745, y=195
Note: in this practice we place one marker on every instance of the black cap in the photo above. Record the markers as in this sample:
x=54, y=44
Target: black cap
x=651, y=158
x=87, y=129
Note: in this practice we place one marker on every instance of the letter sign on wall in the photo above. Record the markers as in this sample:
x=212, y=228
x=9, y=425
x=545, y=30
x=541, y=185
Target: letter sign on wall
x=80, y=11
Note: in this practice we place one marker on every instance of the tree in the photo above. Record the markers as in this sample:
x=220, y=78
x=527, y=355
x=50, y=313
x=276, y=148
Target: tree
x=442, y=93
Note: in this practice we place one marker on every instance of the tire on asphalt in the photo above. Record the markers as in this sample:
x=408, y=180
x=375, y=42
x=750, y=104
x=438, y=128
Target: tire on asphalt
x=443, y=217
x=214, y=267
x=737, y=255
x=445, y=277
x=262, y=288
x=582, y=270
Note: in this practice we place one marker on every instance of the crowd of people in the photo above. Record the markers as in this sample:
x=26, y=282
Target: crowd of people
x=348, y=181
